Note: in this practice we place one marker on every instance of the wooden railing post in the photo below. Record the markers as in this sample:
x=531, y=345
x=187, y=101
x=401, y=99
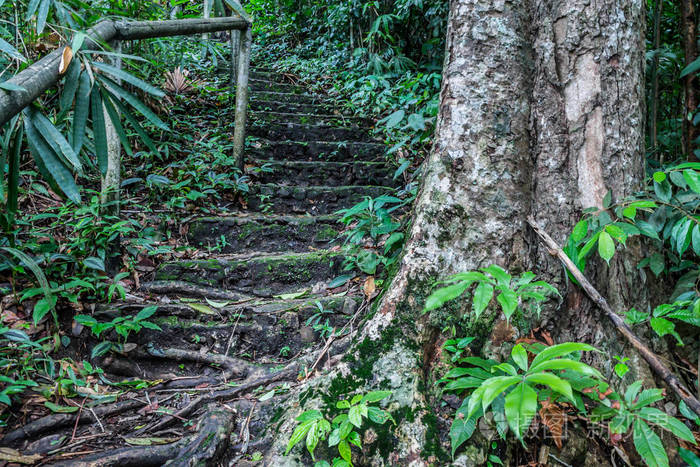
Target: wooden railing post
x=242, y=96
x=235, y=49
x=112, y=178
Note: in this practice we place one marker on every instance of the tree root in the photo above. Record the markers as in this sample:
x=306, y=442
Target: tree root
x=186, y=288
x=232, y=366
x=54, y=421
x=288, y=373
x=203, y=448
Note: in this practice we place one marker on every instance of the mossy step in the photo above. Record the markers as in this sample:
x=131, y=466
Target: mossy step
x=269, y=75
x=314, y=173
x=302, y=118
x=289, y=107
x=267, y=85
x=260, y=327
x=311, y=199
x=256, y=95
x=335, y=151
x=302, y=132
x=263, y=233
x=261, y=275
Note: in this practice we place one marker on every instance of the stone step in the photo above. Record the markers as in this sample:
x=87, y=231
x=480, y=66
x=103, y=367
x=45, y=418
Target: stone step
x=258, y=106
x=316, y=151
x=263, y=327
x=302, y=118
x=316, y=99
x=315, y=173
x=315, y=200
x=268, y=75
x=264, y=233
x=274, y=86
x=260, y=275
x=304, y=132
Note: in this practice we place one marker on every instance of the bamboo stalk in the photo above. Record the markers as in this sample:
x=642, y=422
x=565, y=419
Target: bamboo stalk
x=651, y=358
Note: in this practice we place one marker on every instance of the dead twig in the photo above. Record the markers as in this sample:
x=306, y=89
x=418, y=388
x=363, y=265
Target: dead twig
x=651, y=358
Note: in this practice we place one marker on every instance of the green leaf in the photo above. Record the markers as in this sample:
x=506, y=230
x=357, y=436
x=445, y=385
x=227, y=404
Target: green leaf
x=498, y=273
x=606, y=246
x=344, y=450
x=116, y=122
x=135, y=125
x=6, y=85
x=553, y=382
x=668, y=423
x=377, y=415
x=146, y=313
x=42, y=308
x=493, y=387
x=444, y=294
x=649, y=445
x=394, y=119
x=298, y=434
x=375, y=396
x=59, y=408
x=36, y=270
x=509, y=302
x=559, y=350
x=482, y=297
x=659, y=177
x=689, y=457
x=663, y=327
x=691, y=68
x=520, y=408
x=567, y=364
x=42, y=14
x=416, y=122
x=10, y=50
x=340, y=280
x=312, y=438
x=462, y=426
x=309, y=415
x=355, y=416
x=55, y=139
x=580, y=231
x=129, y=78
x=101, y=349
x=50, y=165
x=135, y=103
x=99, y=130
x=82, y=110
x=519, y=355
x=647, y=397
x=95, y=263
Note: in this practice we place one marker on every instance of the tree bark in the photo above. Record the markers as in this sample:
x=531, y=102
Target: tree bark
x=691, y=85
x=541, y=114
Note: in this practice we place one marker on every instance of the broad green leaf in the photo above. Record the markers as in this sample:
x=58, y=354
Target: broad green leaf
x=560, y=350
x=444, y=294
x=520, y=408
x=606, y=246
x=498, y=273
x=462, y=426
x=394, y=119
x=298, y=434
x=519, y=355
x=340, y=280
x=55, y=139
x=129, y=78
x=146, y=313
x=493, y=387
x=49, y=163
x=10, y=50
x=82, y=110
x=649, y=445
x=135, y=125
x=6, y=85
x=580, y=230
x=344, y=450
x=101, y=349
x=663, y=327
x=42, y=14
x=416, y=122
x=689, y=457
x=312, y=438
x=355, y=416
x=99, y=130
x=377, y=415
x=553, y=382
x=691, y=68
x=668, y=423
x=116, y=122
x=482, y=297
x=646, y=397
x=135, y=103
x=692, y=178
x=567, y=364
x=95, y=263
x=509, y=302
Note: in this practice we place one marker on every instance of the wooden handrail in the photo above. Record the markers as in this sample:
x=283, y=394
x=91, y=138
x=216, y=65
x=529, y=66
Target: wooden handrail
x=44, y=73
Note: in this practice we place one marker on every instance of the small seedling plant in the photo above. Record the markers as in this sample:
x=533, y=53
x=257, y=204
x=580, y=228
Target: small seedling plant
x=512, y=292
x=343, y=430
x=122, y=325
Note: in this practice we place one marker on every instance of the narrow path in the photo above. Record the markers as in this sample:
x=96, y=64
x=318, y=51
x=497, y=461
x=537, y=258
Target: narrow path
x=238, y=321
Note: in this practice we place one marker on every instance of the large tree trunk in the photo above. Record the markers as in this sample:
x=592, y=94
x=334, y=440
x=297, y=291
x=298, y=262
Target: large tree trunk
x=541, y=114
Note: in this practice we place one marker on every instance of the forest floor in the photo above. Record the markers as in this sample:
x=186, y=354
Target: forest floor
x=249, y=288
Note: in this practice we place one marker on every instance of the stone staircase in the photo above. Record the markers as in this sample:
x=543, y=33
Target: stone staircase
x=316, y=161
